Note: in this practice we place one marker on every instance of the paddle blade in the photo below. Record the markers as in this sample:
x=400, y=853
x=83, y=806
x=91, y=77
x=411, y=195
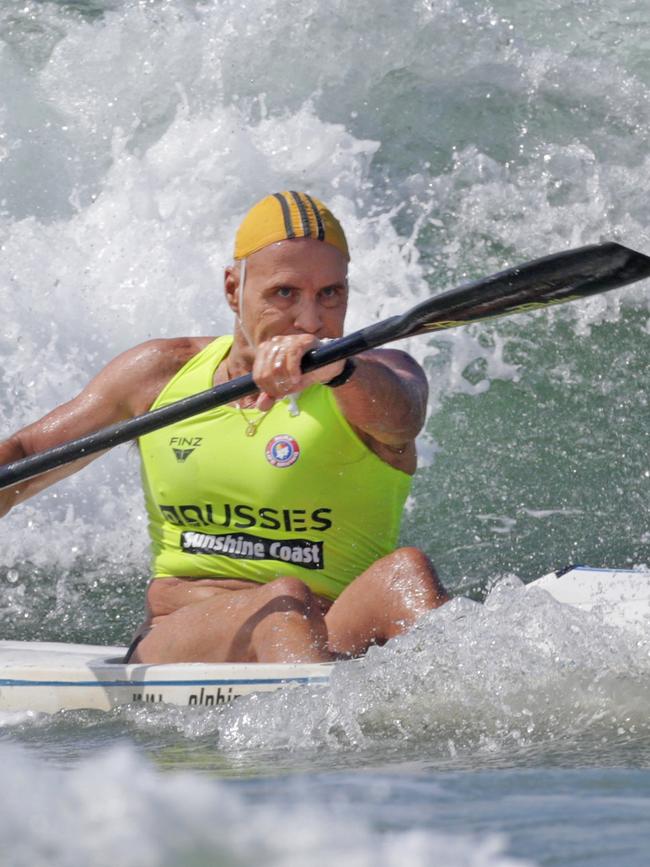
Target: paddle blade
x=554, y=279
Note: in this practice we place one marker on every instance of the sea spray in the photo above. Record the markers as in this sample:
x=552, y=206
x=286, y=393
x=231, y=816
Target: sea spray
x=139, y=817
x=518, y=676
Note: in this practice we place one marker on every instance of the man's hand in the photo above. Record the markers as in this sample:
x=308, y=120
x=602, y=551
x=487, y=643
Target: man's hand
x=277, y=372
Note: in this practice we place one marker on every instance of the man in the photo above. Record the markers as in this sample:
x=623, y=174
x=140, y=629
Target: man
x=273, y=520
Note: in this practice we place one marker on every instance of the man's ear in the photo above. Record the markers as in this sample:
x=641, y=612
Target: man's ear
x=231, y=287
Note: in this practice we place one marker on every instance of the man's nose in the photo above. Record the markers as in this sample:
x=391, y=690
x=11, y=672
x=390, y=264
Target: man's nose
x=308, y=318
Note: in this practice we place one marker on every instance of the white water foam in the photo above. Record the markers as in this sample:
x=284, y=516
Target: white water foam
x=10, y=719
x=519, y=674
x=116, y=809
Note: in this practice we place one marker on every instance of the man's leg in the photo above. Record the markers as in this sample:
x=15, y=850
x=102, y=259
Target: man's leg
x=276, y=622
x=383, y=601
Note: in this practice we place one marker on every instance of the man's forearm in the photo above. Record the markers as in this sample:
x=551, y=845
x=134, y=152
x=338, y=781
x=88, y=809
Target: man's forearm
x=10, y=450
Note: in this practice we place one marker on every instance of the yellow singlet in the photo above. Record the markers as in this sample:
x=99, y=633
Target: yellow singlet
x=302, y=497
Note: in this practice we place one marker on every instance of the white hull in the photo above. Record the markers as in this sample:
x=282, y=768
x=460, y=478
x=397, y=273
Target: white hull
x=49, y=677
x=623, y=594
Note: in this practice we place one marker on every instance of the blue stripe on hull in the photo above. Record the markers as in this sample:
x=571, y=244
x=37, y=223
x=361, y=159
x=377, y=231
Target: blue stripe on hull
x=149, y=683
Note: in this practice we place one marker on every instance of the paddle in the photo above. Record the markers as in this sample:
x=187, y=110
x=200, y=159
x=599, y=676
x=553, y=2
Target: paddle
x=554, y=279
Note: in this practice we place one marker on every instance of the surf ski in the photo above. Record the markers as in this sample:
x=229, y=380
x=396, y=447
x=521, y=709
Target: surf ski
x=50, y=677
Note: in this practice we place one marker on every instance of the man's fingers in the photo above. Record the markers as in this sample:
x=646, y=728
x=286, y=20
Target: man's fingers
x=277, y=365
x=277, y=370
x=264, y=402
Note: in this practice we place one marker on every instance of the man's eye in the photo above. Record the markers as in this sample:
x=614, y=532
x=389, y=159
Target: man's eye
x=284, y=292
x=330, y=294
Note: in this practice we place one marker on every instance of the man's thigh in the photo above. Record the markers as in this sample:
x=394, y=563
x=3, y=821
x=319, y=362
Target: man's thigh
x=208, y=630
x=269, y=622
x=383, y=601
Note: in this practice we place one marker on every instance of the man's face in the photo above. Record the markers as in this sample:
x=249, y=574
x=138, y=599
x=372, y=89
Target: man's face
x=292, y=287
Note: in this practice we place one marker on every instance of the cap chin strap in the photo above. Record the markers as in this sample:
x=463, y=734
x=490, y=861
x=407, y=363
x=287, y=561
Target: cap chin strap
x=292, y=399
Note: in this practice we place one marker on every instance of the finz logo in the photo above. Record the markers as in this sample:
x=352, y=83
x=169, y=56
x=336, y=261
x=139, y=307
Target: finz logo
x=179, y=447
x=282, y=451
x=182, y=454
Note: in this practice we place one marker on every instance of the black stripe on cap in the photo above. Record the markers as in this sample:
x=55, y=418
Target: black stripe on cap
x=304, y=217
x=286, y=214
x=319, y=219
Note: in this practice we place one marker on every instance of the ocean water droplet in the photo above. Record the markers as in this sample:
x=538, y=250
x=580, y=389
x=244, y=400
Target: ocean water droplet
x=12, y=576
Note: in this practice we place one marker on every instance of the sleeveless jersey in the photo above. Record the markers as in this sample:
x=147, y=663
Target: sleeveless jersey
x=302, y=497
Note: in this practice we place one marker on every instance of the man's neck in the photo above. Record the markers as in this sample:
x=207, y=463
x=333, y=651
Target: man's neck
x=241, y=356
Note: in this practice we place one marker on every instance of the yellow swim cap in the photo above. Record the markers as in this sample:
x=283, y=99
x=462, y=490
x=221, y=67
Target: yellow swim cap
x=287, y=215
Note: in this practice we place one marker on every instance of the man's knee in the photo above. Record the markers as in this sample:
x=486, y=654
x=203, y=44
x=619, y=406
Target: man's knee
x=413, y=558
x=410, y=564
x=410, y=570
x=293, y=592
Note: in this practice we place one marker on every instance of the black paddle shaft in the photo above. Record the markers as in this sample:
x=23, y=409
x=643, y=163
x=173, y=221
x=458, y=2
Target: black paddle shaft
x=554, y=279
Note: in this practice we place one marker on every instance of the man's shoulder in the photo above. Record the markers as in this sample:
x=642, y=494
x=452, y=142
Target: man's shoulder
x=149, y=366
x=167, y=353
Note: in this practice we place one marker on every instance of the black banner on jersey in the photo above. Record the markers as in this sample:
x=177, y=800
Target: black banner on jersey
x=245, y=546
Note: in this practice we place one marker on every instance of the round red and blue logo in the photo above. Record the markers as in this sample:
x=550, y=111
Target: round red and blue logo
x=282, y=451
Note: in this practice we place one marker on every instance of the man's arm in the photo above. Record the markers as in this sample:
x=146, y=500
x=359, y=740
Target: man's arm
x=127, y=386
x=385, y=398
